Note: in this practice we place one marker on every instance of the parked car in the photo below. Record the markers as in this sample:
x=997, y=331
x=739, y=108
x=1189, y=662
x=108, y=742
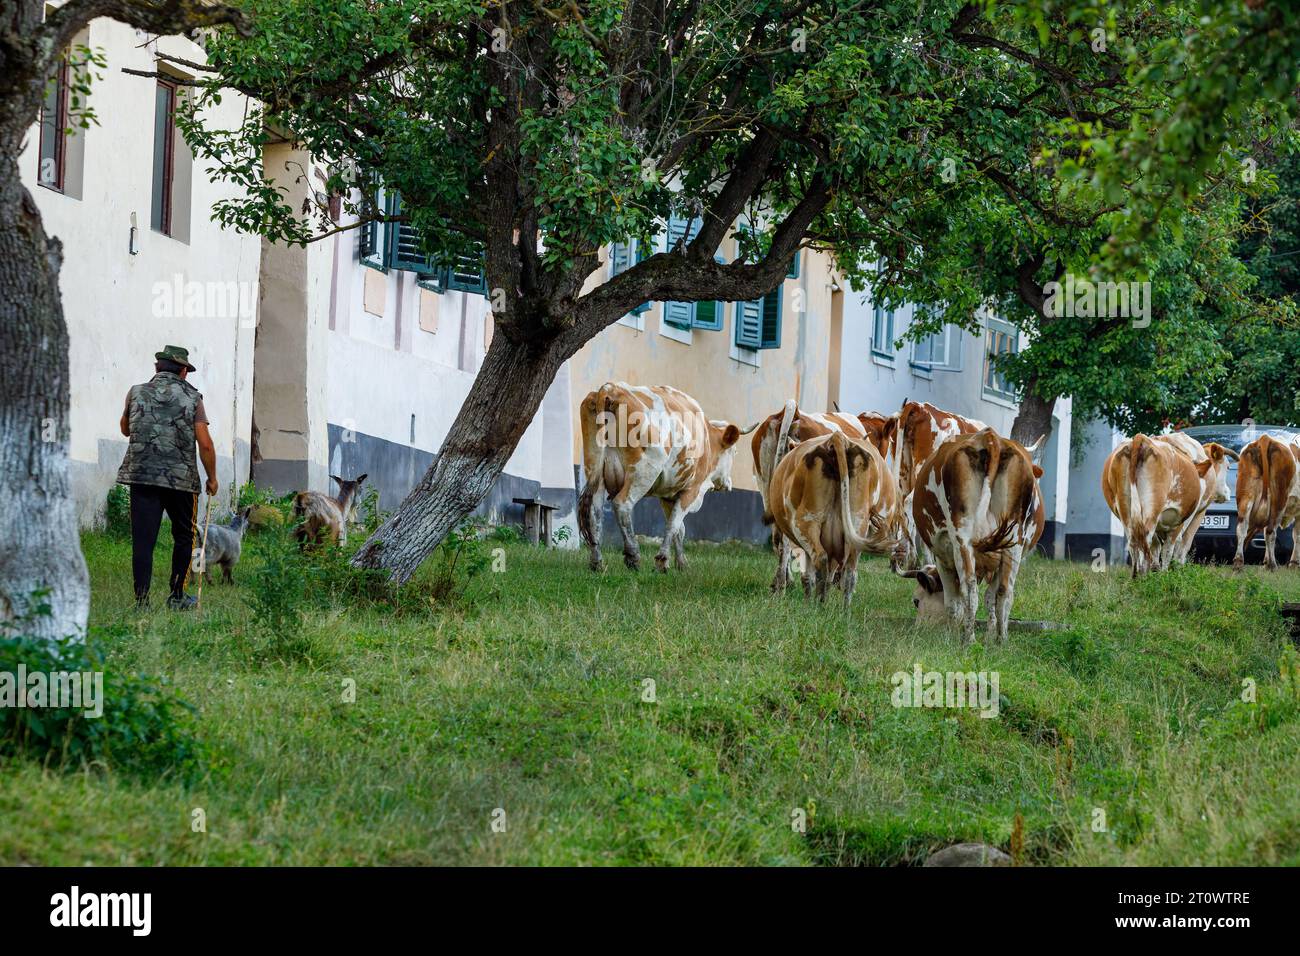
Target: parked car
x=1217, y=537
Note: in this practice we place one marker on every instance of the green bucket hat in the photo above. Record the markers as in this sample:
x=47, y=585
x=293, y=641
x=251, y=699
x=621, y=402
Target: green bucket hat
x=174, y=353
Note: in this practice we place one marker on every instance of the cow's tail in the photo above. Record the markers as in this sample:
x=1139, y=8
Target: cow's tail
x=1277, y=476
x=1139, y=451
x=774, y=458
x=855, y=541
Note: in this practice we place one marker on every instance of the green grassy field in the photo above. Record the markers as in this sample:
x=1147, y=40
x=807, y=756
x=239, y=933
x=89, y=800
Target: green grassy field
x=526, y=696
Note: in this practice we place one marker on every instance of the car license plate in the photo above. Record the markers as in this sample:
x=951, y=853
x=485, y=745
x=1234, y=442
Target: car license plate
x=1215, y=523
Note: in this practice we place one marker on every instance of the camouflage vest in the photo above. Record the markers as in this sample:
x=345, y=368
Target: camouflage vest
x=161, y=447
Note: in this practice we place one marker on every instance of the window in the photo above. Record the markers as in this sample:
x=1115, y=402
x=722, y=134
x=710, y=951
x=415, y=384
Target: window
x=54, y=124
x=164, y=155
x=882, y=334
x=399, y=246
x=681, y=315
x=941, y=349
x=1001, y=338
x=624, y=255
x=758, y=323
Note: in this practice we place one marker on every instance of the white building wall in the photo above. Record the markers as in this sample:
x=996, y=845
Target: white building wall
x=120, y=307
x=401, y=360
x=870, y=383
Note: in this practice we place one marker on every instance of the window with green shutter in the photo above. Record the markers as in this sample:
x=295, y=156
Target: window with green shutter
x=758, y=323
x=794, y=266
x=681, y=315
x=622, y=256
x=407, y=248
x=708, y=315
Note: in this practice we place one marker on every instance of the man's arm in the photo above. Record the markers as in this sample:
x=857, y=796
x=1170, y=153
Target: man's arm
x=125, y=423
x=207, y=455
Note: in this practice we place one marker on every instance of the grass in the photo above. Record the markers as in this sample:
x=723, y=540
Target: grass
x=526, y=696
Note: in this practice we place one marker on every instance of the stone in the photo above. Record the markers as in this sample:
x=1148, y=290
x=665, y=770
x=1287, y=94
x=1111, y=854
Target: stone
x=968, y=854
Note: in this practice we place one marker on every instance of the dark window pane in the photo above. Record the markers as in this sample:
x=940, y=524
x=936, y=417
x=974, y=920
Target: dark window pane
x=52, y=125
x=160, y=217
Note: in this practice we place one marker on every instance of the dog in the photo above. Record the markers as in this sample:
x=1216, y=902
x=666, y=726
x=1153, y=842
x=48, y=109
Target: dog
x=324, y=520
x=224, y=543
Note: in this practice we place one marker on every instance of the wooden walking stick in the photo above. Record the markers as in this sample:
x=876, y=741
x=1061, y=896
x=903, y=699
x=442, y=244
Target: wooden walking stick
x=203, y=556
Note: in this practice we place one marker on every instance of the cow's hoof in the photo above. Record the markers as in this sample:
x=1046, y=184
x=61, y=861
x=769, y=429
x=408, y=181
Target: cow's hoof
x=661, y=564
x=597, y=566
x=633, y=561
x=1238, y=564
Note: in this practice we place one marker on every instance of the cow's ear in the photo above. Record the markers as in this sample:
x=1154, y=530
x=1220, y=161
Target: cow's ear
x=730, y=435
x=1203, y=466
x=929, y=579
x=1038, y=471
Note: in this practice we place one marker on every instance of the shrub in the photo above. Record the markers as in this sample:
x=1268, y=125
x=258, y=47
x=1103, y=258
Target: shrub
x=280, y=594
x=117, y=512
x=144, y=727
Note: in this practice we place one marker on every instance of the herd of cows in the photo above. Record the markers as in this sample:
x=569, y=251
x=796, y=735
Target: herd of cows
x=949, y=500
x=921, y=482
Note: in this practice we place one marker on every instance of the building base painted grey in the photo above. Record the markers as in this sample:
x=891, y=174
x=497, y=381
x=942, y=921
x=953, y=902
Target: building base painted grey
x=394, y=469
x=1084, y=547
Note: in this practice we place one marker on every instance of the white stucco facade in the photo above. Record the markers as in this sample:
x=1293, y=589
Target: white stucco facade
x=122, y=307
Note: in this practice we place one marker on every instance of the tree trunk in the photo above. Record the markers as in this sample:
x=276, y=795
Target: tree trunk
x=500, y=406
x=1034, y=418
x=39, y=546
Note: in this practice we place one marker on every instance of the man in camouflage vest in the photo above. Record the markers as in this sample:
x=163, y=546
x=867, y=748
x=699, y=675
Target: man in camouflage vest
x=163, y=419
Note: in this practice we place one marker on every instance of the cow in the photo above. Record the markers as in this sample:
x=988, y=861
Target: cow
x=649, y=440
x=772, y=439
x=918, y=431
x=1214, y=484
x=1268, y=497
x=834, y=496
x=1158, y=493
x=977, y=507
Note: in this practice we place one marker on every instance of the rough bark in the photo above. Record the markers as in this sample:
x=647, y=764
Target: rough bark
x=500, y=406
x=39, y=546
x=1034, y=418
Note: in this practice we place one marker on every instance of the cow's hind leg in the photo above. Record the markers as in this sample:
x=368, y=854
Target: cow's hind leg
x=849, y=577
x=1005, y=582
x=632, y=491
x=968, y=586
x=782, y=576
x=1270, y=547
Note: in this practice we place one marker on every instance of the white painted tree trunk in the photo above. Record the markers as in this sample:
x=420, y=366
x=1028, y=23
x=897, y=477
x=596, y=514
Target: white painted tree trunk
x=40, y=551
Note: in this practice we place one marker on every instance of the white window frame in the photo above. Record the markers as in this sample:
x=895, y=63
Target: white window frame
x=994, y=326
x=883, y=356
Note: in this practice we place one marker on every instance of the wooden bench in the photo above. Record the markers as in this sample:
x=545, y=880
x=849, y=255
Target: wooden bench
x=537, y=520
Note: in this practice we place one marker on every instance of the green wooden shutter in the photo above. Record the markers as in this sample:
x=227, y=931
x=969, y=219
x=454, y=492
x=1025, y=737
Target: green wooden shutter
x=708, y=315
x=771, y=319
x=794, y=266
x=620, y=257
x=680, y=315
x=406, y=247
x=643, y=251
x=749, y=324
x=466, y=274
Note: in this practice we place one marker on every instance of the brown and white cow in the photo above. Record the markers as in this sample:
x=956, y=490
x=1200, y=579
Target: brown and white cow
x=1214, y=485
x=918, y=432
x=649, y=440
x=1156, y=490
x=772, y=439
x=834, y=497
x=1268, y=497
x=978, y=508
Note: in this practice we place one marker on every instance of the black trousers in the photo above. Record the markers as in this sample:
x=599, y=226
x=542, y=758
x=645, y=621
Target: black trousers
x=148, y=502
